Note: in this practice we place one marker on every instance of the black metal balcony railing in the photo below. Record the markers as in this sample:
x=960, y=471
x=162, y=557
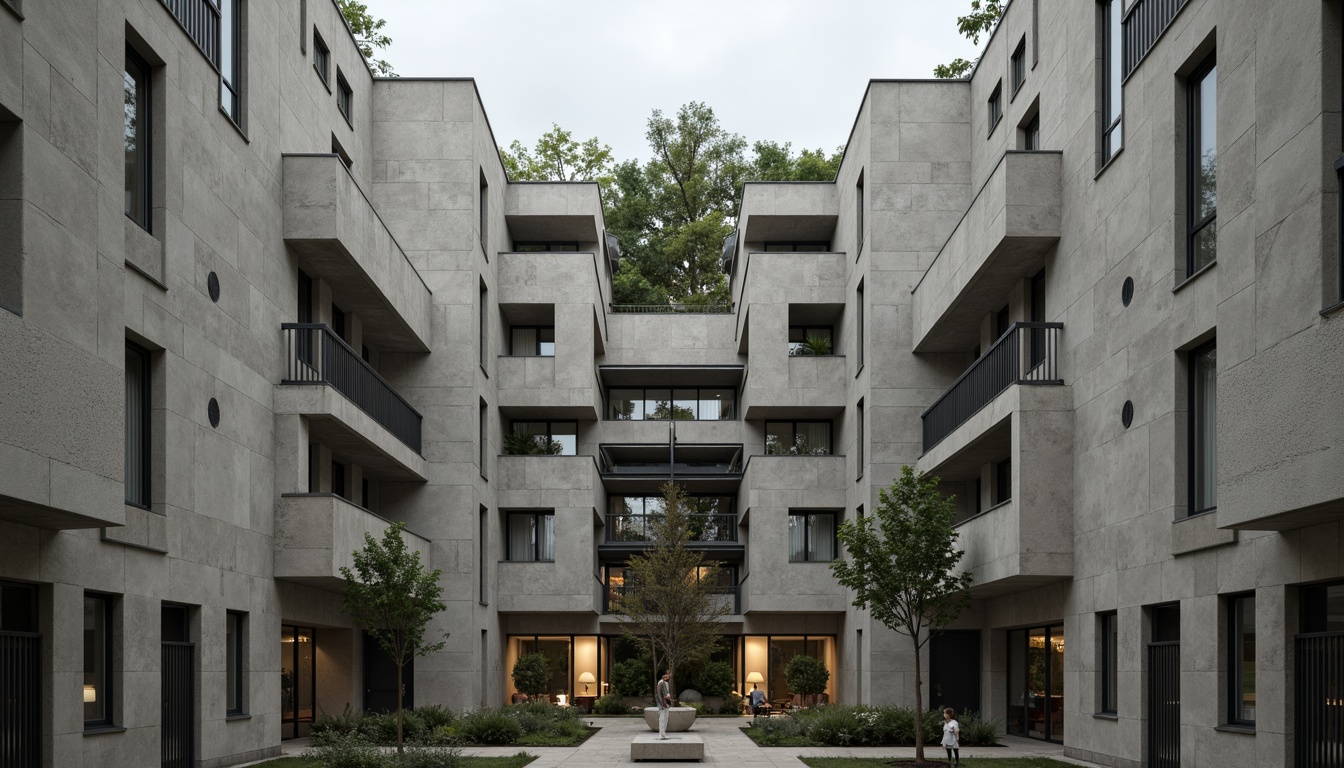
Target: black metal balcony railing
x=200, y=19
x=314, y=354
x=704, y=527
x=612, y=595
x=672, y=309
x=1145, y=22
x=1026, y=354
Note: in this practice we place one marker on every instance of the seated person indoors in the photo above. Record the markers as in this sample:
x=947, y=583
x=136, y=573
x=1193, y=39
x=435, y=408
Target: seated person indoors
x=758, y=701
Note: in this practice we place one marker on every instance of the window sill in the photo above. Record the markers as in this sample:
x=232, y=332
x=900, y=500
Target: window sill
x=237, y=716
x=1245, y=730
x=235, y=124
x=856, y=373
x=1201, y=513
x=1108, y=163
x=1332, y=310
x=1195, y=276
x=347, y=120
x=1106, y=715
x=487, y=373
x=994, y=127
x=99, y=730
x=326, y=83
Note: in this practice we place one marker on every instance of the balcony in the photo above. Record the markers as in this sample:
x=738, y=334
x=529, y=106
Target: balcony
x=705, y=528
x=1010, y=228
x=813, y=386
x=644, y=467
x=728, y=596
x=338, y=236
x=556, y=482
x=1028, y=353
x=1008, y=551
x=316, y=534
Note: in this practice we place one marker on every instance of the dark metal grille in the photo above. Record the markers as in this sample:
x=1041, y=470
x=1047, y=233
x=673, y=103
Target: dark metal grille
x=1146, y=22
x=1319, y=684
x=672, y=309
x=200, y=19
x=179, y=693
x=316, y=355
x=612, y=594
x=1164, y=705
x=20, y=700
x=704, y=527
x=1026, y=354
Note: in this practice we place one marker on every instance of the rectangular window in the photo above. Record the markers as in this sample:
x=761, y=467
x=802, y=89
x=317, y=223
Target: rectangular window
x=558, y=438
x=1001, y=322
x=1165, y=623
x=798, y=438
x=531, y=537
x=231, y=59
x=345, y=97
x=1203, y=429
x=858, y=303
x=482, y=548
x=712, y=518
x=1019, y=65
x=811, y=537
x=1202, y=166
x=365, y=498
x=995, y=107
x=233, y=662
x=858, y=215
x=532, y=341
x=681, y=404
x=338, y=479
x=814, y=246
x=483, y=439
x=858, y=444
x=321, y=58
x=1110, y=645
x=18, y=607
x=97, y=660
x=1241, y=660
x=1003, y=481
x=137, y=132
x=811, y=340
x=1112, y=111
x=137, y=464
x=1031, y=134
x=483, y=325
x=484, y=207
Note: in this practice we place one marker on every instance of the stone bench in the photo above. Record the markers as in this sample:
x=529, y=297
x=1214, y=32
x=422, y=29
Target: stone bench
x=677, y=746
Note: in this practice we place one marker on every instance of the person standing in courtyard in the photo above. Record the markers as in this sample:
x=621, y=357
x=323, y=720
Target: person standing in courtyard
x=951, y=737
x=664, y=703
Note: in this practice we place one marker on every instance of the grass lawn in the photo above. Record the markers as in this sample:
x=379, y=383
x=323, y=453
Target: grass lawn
x=969, y=762
x=512, y=761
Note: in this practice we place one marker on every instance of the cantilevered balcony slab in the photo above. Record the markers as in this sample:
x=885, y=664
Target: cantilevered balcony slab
x=336, y=422
x=1005, y=236
x=315, y=535
x=553, y=211
x=338, y=236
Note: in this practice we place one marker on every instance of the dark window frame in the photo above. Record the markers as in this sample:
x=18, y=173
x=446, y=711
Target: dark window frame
x=858, y=215
x=144, y=136
x=550, y=430
x=644, y=398
x=345, y=98
x=545, y=246
x=338, y=478
x=861, y=417
x=1208, y=431
x=146, y=428
x=107, y=677
x=321, y=59
x=1194, y=122
x=482, y=555
x=540, y=341
x=1108, y=628
x=858, y=303
x=234, y=683
x=483, y=322
x=808, y=545
x=830, y=450
x=28, y=623
x=1031, y=134
x=796, y=246
x=483, y=205
x=536, y=516
x=231, y=83
x=1003, y=481
x=1112, y=130
x=830, y=334
x=484, y=439
x=1018, y=66
x=995, y=106
x=1235, y=673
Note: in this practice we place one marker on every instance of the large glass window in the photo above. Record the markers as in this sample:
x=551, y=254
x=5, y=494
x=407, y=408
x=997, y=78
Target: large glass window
x=811, y=537
x=1202, y=166
x=798, y=438
x=559, y=438
x=811, y=340
x=1241, y=660
x=995, y=107
x=345, y=97
x=1031, y=133
x=680, y=404
x=1109, y=629
x=531, y=537
x=136, y=136
x=97, y=660
x=298, y=680
x=137, y=426
x=1112, y=130
x=1036, y=682
x=1019, y=64
x=711, y=518
x=532, y=341
x=230, y=59
x=233, y=662
x=321, y=58
x=1203, y=430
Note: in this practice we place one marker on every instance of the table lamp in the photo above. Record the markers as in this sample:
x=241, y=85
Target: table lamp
x=586, y=678
x=755, y=677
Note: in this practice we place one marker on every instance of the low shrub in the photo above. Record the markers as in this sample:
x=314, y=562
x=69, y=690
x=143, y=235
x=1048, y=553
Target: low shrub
x=632, y=677
x=780, y=732
x=842, y=726
x=488, y=726
x=610, y=704
x=715, y=678
x=346, y=722
x=334, y=749
x=977, y=731
x=732, y=705
x=434, y=716
x=426, y=757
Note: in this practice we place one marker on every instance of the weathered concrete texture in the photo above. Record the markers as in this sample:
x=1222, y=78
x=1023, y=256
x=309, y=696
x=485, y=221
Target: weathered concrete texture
x=683, y=746
x=315, y=534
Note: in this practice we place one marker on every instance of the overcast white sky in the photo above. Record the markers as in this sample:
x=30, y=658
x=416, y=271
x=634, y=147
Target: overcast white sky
x=786, y=70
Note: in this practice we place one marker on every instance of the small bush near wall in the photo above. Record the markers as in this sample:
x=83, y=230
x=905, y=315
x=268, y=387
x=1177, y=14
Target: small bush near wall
x=536, y=724
x=849, y=726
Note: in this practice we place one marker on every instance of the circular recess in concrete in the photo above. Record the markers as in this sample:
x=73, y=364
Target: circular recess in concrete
x=1127, y=291
x=1127, y=413
x=212, y=285
x=212, y=411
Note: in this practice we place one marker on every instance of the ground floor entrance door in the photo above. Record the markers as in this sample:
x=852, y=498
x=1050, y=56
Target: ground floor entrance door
x=178, y=725
x=20, y=699
x=380, y=680
x=298, y=680
x=1164, y=705
x=954, y=670
x=1036, y=682
x=1319, y=686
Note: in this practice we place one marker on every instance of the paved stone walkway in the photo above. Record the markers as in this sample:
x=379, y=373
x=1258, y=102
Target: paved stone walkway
x=724, y=744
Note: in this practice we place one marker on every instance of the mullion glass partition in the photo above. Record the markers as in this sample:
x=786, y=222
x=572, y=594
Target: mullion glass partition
x=672, y=404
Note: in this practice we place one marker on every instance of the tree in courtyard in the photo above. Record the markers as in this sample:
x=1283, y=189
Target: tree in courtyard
x=806, y=677
x=393, y=597
x=558, y=157
x=532, y=674
x=673, y=611
x=982, y=19
x=902, y=567
x=368, y=33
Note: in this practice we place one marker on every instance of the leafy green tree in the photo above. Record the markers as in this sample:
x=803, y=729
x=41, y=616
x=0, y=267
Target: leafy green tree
x=982, y=19
x=368, y=33
x=673, y=615
x=559, y=157
x=806, y=676
x=532, y=674
x=393, y=597
x=776, y=162
x=902, y=567
x=715, y=678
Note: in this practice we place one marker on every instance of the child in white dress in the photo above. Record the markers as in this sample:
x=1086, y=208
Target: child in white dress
x=951, y=737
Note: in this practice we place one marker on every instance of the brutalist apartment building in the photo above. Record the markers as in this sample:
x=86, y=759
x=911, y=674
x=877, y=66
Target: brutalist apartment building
x=258, y=303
